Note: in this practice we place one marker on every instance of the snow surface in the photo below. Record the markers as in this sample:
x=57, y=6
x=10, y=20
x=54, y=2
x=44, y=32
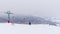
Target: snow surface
x=6, y=28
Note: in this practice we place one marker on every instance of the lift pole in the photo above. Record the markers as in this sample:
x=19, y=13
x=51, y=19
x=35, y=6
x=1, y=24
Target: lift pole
x=8, y=13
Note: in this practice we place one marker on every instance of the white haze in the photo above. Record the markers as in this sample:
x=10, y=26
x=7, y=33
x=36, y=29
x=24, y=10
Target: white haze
x=43, y=8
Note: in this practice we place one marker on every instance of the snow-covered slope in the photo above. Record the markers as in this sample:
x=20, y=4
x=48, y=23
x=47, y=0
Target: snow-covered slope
x=53, y=19
x=27, y=19
x=6, y=28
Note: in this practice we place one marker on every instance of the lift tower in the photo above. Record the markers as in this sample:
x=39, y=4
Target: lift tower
x=8, y=13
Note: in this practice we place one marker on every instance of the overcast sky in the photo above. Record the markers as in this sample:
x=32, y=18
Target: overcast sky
x=44, y=8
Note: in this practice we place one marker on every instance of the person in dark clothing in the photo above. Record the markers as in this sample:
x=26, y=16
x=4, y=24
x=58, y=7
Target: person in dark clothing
x=29, y=23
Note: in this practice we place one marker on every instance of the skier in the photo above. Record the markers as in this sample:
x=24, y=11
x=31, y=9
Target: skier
x=29, y=23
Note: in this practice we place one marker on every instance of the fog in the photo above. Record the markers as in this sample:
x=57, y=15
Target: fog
x=43, y=8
